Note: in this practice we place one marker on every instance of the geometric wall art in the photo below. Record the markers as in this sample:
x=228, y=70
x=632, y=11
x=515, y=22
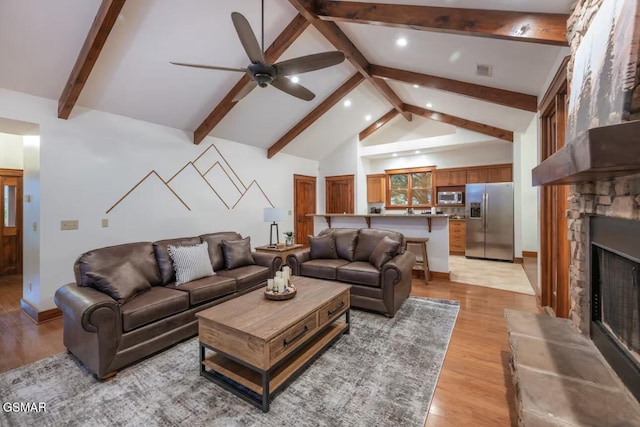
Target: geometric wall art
x=604, y=71
x=209, y=167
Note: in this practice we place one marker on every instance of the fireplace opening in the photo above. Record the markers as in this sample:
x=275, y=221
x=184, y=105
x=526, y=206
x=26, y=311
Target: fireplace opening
x=615, y=296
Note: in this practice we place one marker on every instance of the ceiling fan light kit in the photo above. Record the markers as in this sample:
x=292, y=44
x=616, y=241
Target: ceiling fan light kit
x=262, y=73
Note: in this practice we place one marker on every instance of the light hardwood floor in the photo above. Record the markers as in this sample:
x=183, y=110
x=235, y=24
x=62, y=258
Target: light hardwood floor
x=474, y=387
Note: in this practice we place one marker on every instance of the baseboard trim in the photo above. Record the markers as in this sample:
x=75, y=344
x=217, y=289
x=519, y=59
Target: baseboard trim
x=529, y=254
x=518, y=260
x=40, y=316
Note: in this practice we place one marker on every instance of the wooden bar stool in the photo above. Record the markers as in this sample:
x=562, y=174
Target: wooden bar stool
x=421, y=264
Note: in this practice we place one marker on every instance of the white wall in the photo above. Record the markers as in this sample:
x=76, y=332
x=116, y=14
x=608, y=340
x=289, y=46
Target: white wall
x=11, y=151
x=91, y=161
x=484, y=154
x=528, y=159
x=31, y=219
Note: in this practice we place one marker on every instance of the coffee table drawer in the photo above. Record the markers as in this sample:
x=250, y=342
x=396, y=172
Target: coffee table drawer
x=333, y=309
x=290, y=339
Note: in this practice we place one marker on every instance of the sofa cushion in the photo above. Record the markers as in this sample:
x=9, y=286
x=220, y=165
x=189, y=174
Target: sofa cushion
x=345, y=239
x=361, y=273
x=237, y=253
x=247, y=276
x=322, y=247
x=140, y=255
x=121, y=282
x=165, y=263
x=321, y=268
x=191, y=262
x=155, y=304
x=384, y=251
x=207, y=288
x=368, y=239
x=214, y=240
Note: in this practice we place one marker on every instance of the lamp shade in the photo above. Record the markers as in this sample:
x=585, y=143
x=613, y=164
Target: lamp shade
x=273, y=214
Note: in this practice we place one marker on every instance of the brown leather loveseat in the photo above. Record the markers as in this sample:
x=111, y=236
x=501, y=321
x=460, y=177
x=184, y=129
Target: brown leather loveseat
x=126, y=305
x=374, y=262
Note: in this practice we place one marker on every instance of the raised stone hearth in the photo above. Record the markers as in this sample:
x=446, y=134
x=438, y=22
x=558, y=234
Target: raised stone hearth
x=560, y=377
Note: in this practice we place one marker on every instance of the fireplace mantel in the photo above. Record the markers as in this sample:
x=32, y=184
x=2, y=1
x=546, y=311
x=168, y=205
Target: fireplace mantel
x=597, y=154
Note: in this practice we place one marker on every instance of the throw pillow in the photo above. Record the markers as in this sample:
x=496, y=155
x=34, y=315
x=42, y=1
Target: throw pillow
x=383, y=252
x=121, y=282
x=322, y=247
x=237, y=253
x=191, y=262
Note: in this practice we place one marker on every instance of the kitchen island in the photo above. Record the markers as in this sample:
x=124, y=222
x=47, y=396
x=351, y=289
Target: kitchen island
x=435, y=227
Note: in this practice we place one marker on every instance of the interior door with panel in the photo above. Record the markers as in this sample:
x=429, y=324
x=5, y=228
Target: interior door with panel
x=304, y=201
x=11, y=224
x=339, y=194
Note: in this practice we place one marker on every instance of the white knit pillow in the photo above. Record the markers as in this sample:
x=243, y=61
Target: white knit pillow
x=191, y=262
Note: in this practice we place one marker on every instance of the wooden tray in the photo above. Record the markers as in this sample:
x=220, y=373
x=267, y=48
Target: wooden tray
x=280, y=297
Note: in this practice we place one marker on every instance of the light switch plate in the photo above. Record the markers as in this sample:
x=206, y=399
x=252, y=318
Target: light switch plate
x=105, y=222
x=69, y=224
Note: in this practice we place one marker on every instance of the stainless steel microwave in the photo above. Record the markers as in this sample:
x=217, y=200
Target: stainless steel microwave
x=450, y=197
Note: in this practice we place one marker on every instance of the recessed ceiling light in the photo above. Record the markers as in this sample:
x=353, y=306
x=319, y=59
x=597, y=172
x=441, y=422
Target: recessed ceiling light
x=417, y=151
x=347, y=103
x=401, y=41
x=416, y=86
x=429, y=105
x=395, y=154
x=295, y=79
x=367, y=117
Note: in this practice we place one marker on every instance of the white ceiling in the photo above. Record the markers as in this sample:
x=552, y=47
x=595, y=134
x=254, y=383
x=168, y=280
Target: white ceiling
x=40, y=41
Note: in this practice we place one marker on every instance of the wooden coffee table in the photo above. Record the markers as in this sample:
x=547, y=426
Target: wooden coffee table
x=253, y=347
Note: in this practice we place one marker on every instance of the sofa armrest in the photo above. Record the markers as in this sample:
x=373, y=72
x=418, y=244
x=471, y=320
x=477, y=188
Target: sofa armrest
x=399, y=266
x=271, y=261
x=296, y=259
x=80, y=304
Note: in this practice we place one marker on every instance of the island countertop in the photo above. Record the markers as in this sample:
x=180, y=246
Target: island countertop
x=367, y=217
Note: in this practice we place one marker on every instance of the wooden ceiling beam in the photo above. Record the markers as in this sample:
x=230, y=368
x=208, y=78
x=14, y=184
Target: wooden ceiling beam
x=273, y=52
x=94, y=42
x=340, y=41
x=317, y=112
x=484, y=93
x=377, y=124
x=545, y=28
x=495, y=132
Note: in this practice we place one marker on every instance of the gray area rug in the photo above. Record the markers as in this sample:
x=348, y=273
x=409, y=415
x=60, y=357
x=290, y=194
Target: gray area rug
x=384, y=374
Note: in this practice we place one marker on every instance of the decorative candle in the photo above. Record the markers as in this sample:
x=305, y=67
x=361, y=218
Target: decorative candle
x=278, y=273
x=270, y=284
x=279, y=282
x=286, y=270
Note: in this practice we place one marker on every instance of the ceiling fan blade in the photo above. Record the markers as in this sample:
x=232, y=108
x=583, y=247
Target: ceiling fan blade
x=245, y=91
x=308, y=63
x=293, y=89
x=210, y=67
x=247, y=38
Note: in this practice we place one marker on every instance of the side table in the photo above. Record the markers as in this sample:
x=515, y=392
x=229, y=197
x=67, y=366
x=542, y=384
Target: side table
x=296, y=247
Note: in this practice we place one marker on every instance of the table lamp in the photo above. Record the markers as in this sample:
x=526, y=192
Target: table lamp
x=273, y=215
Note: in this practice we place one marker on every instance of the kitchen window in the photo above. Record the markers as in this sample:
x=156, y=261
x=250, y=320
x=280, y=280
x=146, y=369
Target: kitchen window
x=409, y=188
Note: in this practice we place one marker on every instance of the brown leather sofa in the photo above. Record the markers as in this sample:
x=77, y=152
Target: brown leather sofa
x=382, y=288
x=106, y=334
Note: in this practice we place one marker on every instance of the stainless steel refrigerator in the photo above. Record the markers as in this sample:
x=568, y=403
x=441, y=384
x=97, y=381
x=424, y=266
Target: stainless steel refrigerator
x=489, y=221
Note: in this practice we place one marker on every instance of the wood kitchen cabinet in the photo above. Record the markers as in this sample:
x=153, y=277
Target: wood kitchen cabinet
x=457, y=232
x=475, y=176
x=450, y=177
x=376, y=185
x=499, y=174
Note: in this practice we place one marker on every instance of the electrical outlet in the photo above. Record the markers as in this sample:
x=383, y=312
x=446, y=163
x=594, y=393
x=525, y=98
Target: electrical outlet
x=105, y=222
x=29, y=286
x=289, y=212
x=35, y=226
x=69, y=224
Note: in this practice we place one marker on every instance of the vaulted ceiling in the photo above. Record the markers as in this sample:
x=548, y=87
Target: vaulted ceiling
x=124, y=66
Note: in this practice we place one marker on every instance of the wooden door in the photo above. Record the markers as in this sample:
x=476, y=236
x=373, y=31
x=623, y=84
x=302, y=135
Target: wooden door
x=11, y=222
x=304, y=202
x=554, y=245
x=340, y=194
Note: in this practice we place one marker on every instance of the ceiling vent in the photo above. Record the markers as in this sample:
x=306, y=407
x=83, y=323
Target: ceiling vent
x=483, y=70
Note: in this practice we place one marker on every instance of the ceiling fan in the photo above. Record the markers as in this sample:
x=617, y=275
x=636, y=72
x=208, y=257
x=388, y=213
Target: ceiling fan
x=263, y=73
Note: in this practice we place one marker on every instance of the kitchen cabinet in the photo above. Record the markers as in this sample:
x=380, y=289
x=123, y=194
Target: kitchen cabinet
x=457, y=231
x=499, y=174
x=449, y=177
x=376, y=185
x=475, y=176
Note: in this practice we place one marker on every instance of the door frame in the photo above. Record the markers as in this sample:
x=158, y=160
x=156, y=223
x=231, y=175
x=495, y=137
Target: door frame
x=554, y=244
x=17, y=173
